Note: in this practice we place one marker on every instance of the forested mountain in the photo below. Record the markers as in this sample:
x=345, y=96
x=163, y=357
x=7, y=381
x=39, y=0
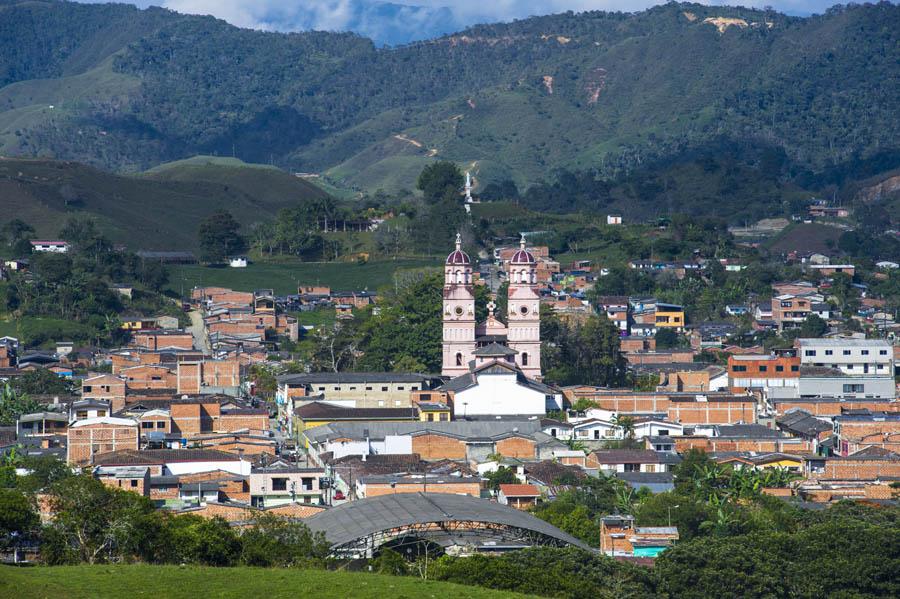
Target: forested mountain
x=126, y=89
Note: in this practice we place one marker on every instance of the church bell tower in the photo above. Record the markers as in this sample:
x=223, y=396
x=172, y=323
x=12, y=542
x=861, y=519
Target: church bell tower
x=524, y=312
x=458, y=313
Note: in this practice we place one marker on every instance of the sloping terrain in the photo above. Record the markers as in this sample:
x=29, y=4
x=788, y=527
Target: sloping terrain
x=610, y=91
x=159, y=210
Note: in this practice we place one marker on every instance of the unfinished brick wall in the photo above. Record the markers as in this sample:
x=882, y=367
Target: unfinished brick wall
x=859, y=468
x=438, y=447
x=86, y=441
x=712, y=411
x=377, y=489
x=515, y=447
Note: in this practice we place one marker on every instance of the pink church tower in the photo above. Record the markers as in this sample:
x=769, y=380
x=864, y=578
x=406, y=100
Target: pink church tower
x=458, y=313
x=524, y=312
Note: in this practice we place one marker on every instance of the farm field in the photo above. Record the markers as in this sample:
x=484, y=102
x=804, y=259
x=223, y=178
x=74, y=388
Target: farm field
x=284, y=277
x=75, y=582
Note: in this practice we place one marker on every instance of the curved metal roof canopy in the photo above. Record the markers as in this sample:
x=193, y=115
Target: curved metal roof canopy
x=359, y=528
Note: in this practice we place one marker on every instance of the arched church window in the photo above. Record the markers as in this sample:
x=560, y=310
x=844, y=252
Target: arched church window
x=459, y=359
x=525, y=359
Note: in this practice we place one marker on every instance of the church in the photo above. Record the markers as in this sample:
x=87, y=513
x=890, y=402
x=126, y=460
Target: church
x=496, y=365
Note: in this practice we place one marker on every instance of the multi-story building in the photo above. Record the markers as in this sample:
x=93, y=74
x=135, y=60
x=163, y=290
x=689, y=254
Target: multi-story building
x=750, y=371
x=851, y=356
x=617, y=309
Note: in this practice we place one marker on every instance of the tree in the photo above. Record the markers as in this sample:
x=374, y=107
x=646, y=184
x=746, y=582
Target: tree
x=96, y=523
x=14, y=403
x=599, y=359
x=274, y=541
x=813, y=327
x=219, y=237
x=18, y=519
x=407, y=327
x=666, y=338
x=41, y=382
x=440, y=180
x=501, y=476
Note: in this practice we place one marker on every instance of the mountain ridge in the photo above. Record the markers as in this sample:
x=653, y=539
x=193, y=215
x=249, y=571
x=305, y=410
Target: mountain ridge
x=592, y=90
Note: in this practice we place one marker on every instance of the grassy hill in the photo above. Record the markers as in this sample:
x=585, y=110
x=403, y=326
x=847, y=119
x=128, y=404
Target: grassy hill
x=192, y=581
x=131, y=89
x=158, y=210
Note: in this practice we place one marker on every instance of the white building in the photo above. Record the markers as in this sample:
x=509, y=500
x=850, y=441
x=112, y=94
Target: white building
x=613, y=219
x=238, y=262
x=54, y=247
x=851, y=356
x=500, y=388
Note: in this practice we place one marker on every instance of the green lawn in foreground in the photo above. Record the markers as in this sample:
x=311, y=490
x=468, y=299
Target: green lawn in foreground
x=284, y=277
x=192, y=582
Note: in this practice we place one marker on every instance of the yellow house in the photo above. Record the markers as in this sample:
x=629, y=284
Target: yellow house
x=137, y=323
x=669, y=316
x=434, y=412
x=791, y=463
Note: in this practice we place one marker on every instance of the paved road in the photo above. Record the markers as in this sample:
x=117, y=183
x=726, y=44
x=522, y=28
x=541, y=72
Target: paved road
x=198, y=331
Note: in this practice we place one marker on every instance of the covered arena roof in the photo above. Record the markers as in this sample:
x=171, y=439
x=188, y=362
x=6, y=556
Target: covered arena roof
x=396, y=515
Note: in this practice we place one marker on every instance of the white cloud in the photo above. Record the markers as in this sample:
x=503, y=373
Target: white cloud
x=416, y=18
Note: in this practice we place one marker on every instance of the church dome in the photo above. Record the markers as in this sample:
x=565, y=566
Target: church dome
x=522, y=256
x=457, y=256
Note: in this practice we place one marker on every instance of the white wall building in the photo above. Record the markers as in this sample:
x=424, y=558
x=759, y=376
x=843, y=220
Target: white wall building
x=851, y=356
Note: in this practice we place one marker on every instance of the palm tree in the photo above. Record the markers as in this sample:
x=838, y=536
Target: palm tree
x=626, y=423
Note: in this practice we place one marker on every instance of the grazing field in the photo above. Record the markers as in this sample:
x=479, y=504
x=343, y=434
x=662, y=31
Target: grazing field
x=806, y=237
x=191, y=582
x=284, y=277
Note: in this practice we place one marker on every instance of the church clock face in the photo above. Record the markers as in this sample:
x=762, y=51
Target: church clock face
x=524, y=310
x=459, y=310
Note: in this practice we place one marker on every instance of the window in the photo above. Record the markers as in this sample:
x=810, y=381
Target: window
x=86, y=389
x=81, y=414
x=846, y=352
x=353, y=388
x=882, y=352
x=445, y=417
x=809, y=352
x=854, y=388
x=321, y=388
x=146, y=425
x=368, y=388
x=865, y=352
x=133, y=482
x=337, y=388
x=779, y=368
x=739, y=368
x=763, y=368
x=795, y=368
x=431, y=418
x=459, y=359
x=662, y=433
x=307, y=483
x=279, y=484
x=828, y=352
x=525, y=359
x=384, y=389
x=160, y=424
x=380, y=403
x=414, y=388
x=400, y=388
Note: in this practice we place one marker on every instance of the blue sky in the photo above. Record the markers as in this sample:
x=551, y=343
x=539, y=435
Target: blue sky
x=397, y=21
